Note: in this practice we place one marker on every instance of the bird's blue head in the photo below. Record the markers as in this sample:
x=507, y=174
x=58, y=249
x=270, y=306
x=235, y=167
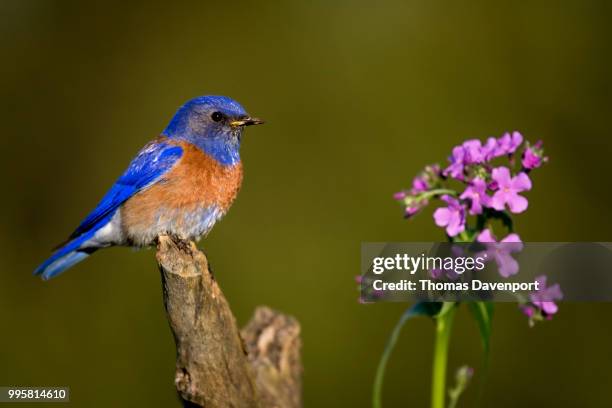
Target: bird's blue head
x=214, y=124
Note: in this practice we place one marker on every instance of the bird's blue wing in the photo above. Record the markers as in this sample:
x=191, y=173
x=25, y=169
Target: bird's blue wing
x=149, y=167
x=151, y=163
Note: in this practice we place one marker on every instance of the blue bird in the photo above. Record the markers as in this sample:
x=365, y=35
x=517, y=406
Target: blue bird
x=179, y=184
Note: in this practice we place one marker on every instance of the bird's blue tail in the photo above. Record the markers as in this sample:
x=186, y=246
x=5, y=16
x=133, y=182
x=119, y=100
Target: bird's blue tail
x=64, y=258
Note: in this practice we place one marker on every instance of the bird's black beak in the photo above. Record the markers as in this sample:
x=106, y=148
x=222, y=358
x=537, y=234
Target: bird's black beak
x=247, y=122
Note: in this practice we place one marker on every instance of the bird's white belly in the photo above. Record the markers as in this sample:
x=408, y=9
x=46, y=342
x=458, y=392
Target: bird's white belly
x=189, y=225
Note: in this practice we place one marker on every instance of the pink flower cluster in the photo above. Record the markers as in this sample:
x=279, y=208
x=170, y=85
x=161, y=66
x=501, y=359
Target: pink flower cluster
x=487, y=181
x=414, y=199
x=485, y=185
x=541, y=303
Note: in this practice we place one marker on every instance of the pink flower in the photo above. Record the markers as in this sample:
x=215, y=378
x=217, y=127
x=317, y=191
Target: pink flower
x=412, y=202
x=502, y=251
x=426, y=179
x=457, y=163
x=473, y=152
x=508, y=188
x=544, y=297
x=533, y=156
x=419, y=184
x=489, y=149
x=414, y=208
x=451, y=217
x=508, y=143
x=476, y=193
x=469, y=152
x=530, y=159
x=399, y=196
x=528, y=310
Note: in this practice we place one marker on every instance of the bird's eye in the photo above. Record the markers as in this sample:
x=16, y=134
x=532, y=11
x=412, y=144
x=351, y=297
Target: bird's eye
x=216, y=116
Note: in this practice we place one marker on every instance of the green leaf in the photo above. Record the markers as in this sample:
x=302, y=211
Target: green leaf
x=428, y=309
x=483, y=314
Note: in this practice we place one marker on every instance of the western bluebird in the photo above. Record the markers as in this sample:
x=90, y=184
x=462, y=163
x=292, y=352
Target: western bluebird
x=179, y=184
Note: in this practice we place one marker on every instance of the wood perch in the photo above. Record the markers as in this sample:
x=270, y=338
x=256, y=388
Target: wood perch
x=215, y=367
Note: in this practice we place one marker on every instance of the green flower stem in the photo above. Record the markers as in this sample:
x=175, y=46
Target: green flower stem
x=438, y=191
x=444, y=324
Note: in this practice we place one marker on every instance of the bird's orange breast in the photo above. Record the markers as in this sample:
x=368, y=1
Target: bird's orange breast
x=196, y=183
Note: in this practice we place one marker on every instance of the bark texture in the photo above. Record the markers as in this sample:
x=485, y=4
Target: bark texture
x=215, y=367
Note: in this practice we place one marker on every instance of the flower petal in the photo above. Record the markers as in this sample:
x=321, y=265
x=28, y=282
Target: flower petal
x=554, y=292
x=521, y=182
x=507, y=265
x=455, y=226
x=512, y=238
x=498, y=201
x=486, y=236
x=479, y=184
x=517, y=139
x=442, y=216
x=549, y=308
x=502, y=176
x=517, y=203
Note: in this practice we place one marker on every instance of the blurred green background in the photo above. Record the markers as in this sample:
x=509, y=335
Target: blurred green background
x=358, y=96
